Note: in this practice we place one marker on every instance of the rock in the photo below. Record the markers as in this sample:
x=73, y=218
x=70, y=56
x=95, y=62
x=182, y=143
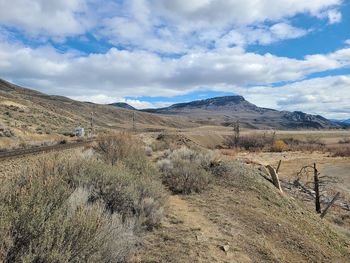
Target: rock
x=5, y=132
x=225, y=248
x=201, y=238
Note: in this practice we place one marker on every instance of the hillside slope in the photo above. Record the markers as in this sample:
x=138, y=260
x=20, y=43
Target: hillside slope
x=25, y=111
x=228, y=109
x=246, y=214
x=123, y=105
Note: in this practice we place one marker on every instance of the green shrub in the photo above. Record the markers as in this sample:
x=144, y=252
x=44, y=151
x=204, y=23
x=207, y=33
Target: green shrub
x=128, y=193
x=185, y=171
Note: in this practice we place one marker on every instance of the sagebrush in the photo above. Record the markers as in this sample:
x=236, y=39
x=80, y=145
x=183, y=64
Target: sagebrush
x=78, y=208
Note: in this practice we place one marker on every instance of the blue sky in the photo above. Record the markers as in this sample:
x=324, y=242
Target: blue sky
x=283, y=54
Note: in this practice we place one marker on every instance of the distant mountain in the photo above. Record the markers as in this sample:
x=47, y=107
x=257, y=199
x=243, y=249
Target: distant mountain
x=226, y=110
x=345, y=121
x=123, y=105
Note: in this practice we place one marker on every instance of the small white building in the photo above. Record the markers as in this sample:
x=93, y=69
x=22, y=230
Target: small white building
x=79, y=132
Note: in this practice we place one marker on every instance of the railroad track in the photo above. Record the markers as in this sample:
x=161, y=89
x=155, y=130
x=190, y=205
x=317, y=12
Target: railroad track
x=42, y=149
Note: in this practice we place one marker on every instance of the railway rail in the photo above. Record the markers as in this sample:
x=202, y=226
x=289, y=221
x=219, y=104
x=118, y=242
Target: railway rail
x=42, y=149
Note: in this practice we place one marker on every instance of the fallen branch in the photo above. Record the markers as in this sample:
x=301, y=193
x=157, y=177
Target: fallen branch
x=274, y=176
x=330, y=204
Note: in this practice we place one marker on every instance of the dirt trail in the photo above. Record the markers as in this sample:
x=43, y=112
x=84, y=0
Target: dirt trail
x=189, y=236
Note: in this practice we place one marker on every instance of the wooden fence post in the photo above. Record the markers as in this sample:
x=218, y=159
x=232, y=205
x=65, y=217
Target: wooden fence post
x=317, y=190
x=278, y=166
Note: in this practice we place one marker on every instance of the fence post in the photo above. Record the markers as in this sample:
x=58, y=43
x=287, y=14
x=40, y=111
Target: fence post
x=317, y=190
x=278, y=166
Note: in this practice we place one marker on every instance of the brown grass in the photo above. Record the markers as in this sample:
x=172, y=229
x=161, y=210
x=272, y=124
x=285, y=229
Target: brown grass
x=340, y=150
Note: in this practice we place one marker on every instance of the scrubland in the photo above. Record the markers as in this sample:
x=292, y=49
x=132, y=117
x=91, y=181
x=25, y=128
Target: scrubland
x=80, y=207
x=164, y=197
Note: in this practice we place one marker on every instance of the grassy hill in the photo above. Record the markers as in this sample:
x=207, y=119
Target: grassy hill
x=28, y=113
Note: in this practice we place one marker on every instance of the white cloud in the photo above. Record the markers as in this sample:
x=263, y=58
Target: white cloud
x=138, y=73
x=103, y=99
x=146, y=27
x=238, y=11
x=162, y=25
x=45, y=17
x=262, y=35
x=334, y=16
x=327, y=96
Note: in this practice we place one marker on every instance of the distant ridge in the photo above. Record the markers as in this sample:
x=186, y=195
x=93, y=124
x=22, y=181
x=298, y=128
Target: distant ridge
x=123, y=105
x=228, y=109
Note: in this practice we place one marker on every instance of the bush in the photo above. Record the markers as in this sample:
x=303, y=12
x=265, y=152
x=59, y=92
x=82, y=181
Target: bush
x=340, y=151
x=311, y=144
x=279, y=146
x=344, y=141
x=40, y=224
x=256, y=142
x=124, y=148
x=119, y=147
x=125, y=192
x=185, y=171
x=74, y=208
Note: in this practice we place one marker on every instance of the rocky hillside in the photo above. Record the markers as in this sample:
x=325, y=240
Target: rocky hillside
x=226, y=110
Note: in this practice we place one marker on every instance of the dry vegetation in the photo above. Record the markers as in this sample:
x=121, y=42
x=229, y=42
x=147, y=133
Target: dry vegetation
x=108, y=204
x=270, y=143
x=79, y=208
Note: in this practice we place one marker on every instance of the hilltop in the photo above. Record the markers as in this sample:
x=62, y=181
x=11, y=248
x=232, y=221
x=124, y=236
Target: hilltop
x=123, y=105
x=228, y=109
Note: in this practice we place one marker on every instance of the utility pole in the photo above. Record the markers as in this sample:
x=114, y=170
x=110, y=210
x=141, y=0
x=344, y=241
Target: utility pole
x=133, y=122
x=236, y=130
x=92, y=121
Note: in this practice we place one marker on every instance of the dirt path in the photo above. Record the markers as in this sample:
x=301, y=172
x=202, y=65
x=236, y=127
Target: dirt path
x=187, y=235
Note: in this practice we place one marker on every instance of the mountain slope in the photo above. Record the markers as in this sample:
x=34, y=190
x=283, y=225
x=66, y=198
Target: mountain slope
x=26, y=111
x=228, y=109
x=123, y=105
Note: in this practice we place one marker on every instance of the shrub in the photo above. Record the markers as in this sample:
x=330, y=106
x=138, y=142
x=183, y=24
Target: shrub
x=148, y=151
x=311, y=144
x=344, y=141
x=279, y=146
x=253, y=142
x=40, y=224
x=118, y=147
x=74, y=208
x=124, y=148
x=122, y=191
x=340, y=151
x=185, y=171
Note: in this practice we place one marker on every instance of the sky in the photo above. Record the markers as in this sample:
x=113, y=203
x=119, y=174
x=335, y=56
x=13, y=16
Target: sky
x=282, y=54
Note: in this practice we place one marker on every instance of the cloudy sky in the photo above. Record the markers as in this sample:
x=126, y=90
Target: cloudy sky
x=283, y=54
